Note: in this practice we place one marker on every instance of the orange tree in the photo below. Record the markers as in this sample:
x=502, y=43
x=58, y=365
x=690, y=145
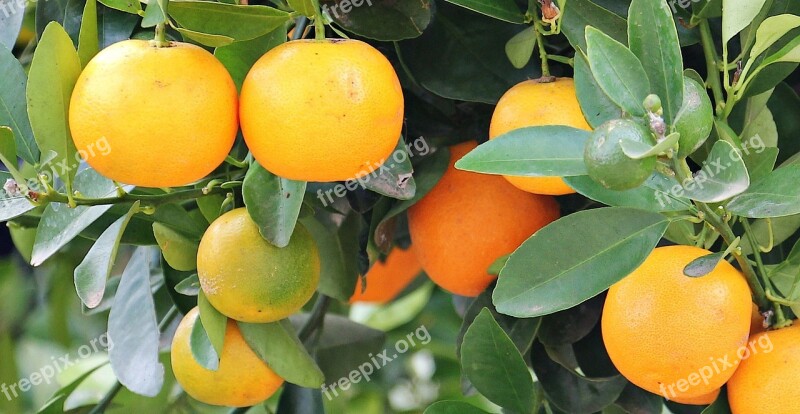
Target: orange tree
x=369, y=206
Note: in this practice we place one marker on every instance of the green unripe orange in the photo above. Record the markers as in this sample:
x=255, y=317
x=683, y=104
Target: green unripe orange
x=607, y=163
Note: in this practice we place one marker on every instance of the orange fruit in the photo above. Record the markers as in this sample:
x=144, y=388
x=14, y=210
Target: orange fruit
x=386, y=279
x=250, y=280
x=534, y=103
x=154, y=117
x=675, y=335
x=469, y=220
x=701, y=400
x=242, y=378
x=766, y=380
x=322, y=110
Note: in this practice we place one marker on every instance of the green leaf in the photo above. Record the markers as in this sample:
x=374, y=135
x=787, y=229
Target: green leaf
x=520, y=47
x=653, y=38
x=597, y=107
x=737, y=15
x=304, y=7
x=771, y=30
x=401, y=311
x=381, y=20
x=154, y=14
x=10, y=24
x=189, y=286
x=210, y=40
x=202, y=350
x=579, y=14
x=128, y=6
x=724, y=175
x=337, y=258
x=542, y=151
x=214, y=322
x=54, y=71
x=178, y=250
x=655, y=195
x=239, y=57
x=13, y=106
x=114, y=26
x=12, y=206
x=777, y=195
x=344, y=344
x=273, y=202
x=703, y=265
x=395, y=177
x=618, y=71
x=638, y=150
x=8, y=146
x=277, y=344
x=570, y=391
x=606, y=243
x=133, y=329
x=55, y=405
x=453, y=407
x=60, y=223
x=505, y=10
x=494, y=365
x=233, y=21
x=91, y=274
x=88, y=40
x=571, y=325
x=460, y=47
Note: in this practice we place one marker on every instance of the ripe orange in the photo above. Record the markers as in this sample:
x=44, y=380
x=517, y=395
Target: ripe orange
x=468, y=221
x=242, y=378
x=154, y=117
x=766, y=380
x=322, y=110
x=385, y=280
x=250, y=280
x=675, y=335
x=534, y=103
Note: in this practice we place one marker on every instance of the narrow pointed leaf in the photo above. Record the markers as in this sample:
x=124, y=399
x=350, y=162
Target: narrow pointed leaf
x=214, y=322
x=133, y=330
x=703, y=265
x=618, y=71
x=723, y=175
x=653, y=38
x=777, y=195
x=274, y=203
x=92, y=273
x=505, y=10
x=531, y=152
x=277, y=344
x=88, y=38
x=53, y=74
x=494, y=365
x=586, y=252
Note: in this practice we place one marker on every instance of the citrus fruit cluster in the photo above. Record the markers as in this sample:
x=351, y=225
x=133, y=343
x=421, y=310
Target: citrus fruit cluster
x=318, y=123
x=308, y=111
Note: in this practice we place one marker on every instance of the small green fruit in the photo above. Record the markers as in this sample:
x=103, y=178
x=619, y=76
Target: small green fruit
x=607, y=163
x=695, y=119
